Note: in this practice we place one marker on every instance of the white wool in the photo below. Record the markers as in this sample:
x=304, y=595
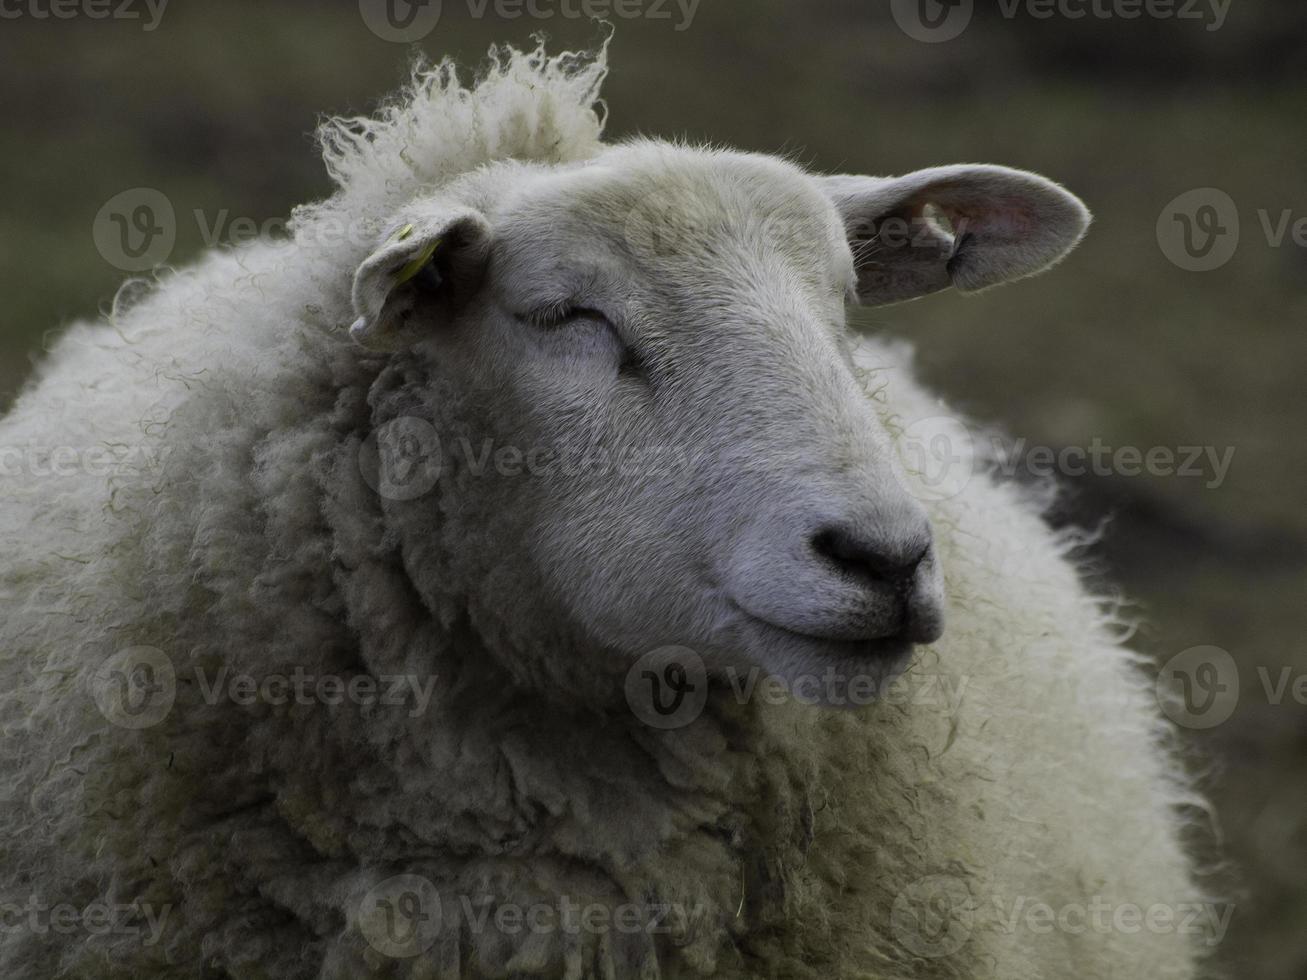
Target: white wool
x=233, y=530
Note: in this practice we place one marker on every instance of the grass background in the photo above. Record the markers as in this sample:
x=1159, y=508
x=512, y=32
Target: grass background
x=216, y=105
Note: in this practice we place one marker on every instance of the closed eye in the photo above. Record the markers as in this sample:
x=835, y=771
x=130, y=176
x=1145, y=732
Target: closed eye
x=562, y=315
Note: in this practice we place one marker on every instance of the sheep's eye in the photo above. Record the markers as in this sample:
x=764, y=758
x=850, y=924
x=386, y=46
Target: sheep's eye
x=556, y=317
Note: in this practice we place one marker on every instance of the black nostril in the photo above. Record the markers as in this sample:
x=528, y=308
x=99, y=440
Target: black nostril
x=854, y=555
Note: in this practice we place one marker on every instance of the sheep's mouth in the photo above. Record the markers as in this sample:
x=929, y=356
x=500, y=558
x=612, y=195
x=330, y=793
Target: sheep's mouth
x=839, y=673
x=881, y=648
x=890, y=647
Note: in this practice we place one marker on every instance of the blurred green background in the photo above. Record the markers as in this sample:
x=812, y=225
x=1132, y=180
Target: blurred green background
x=215, y=105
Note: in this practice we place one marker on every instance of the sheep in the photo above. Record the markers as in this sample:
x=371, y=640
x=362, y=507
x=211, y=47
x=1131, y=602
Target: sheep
x=516, y=572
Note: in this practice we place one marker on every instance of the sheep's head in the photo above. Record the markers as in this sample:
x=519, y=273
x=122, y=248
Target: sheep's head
x=649, y=424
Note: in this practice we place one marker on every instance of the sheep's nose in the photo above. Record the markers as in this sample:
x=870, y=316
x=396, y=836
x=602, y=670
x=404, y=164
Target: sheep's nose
x=896, y=572
x=867, y=572
x=886, y=563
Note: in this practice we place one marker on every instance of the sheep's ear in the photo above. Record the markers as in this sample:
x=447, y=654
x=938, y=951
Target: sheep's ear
x=429, y=262
x=1002, y=225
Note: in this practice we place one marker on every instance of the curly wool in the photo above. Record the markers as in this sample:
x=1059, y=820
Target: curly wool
x=236, y=532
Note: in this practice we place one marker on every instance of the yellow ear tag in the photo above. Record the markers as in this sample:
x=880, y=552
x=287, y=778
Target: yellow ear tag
x=403, y=233
x=413, y=268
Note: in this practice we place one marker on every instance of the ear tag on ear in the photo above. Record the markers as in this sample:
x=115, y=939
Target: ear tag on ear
x=414, y=267
x=403, y=233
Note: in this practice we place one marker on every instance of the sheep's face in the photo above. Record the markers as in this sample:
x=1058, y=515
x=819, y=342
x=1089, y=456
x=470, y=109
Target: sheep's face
x=650, y=424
